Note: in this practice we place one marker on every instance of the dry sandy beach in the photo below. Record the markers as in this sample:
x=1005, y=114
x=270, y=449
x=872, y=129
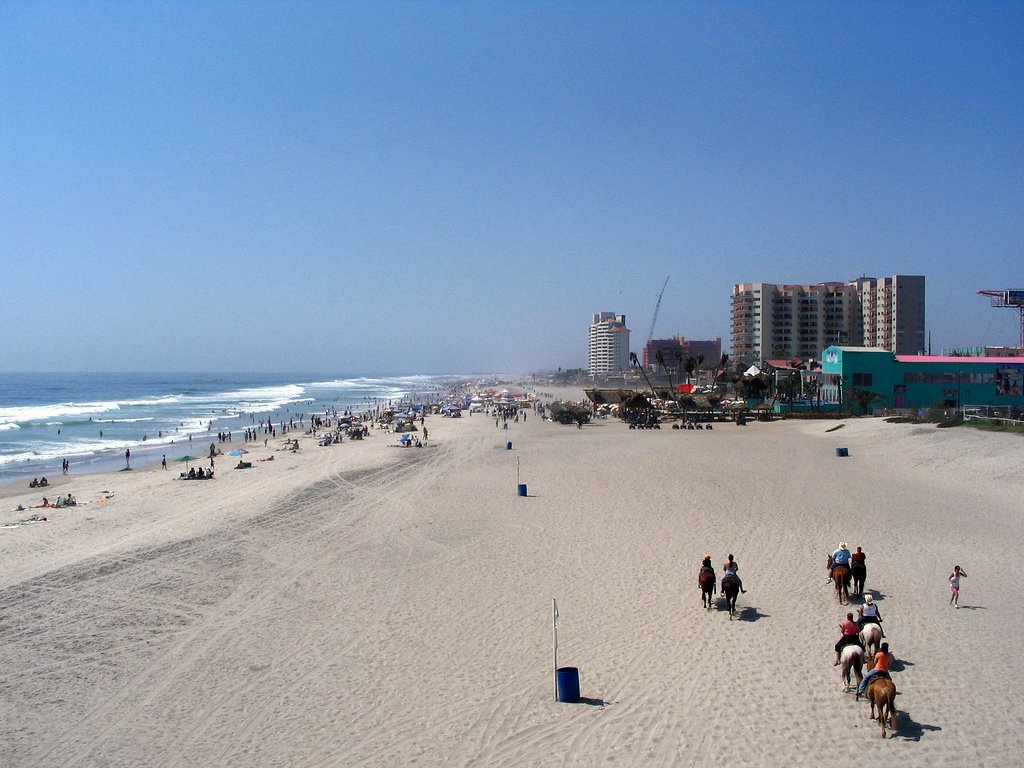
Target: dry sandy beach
x=368, y=605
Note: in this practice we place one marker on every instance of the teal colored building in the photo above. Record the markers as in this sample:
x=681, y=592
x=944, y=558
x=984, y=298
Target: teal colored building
x=879, y=379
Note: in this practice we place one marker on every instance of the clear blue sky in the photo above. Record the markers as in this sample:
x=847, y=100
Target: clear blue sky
x=454, y=187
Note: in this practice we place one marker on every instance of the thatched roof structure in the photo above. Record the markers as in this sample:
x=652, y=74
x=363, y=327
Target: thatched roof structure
x=608, y=396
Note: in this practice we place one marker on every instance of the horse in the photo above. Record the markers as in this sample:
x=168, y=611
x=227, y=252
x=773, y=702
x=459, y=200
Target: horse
x=882, y=694
x=841, y=580
x=707, y=582
x=859, y=573
x=851, y=658
x=870, y=637
x=731, y=589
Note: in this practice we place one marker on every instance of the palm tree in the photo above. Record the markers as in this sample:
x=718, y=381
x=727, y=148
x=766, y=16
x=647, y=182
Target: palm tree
x=722, y=364
x=633, y=359
x=691, y=365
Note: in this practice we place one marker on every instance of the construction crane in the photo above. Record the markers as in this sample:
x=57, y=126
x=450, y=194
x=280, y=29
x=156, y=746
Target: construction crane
x=657, y=306
x=1013, y=299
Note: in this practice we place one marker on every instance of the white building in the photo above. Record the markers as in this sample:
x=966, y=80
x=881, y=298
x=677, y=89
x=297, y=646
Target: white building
x=608, y=344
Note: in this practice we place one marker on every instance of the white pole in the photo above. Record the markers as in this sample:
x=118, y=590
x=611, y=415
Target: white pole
x=554, y=646
x=517, y=473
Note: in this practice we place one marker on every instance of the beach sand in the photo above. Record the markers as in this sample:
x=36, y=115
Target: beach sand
x=368, y=605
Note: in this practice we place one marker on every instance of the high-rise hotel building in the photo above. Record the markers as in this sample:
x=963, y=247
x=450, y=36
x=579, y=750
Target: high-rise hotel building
x=608, y=344
x=771, y=320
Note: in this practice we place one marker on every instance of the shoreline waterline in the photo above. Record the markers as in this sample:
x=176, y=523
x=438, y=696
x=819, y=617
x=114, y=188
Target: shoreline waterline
x=90, y=420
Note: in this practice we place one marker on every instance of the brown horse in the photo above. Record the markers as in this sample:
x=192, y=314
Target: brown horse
x=882, y=694
x=841, y=580
x=851, y=659
x=708, y=586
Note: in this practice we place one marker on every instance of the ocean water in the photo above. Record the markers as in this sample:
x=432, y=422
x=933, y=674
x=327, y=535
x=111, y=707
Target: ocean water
x=91, y=419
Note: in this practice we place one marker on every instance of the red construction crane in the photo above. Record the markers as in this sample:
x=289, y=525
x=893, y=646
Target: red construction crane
x=1013, y=299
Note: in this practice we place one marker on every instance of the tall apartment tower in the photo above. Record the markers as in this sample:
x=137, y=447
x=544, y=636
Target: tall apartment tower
x=772, y=320
x=608, y=344
x=892, y=311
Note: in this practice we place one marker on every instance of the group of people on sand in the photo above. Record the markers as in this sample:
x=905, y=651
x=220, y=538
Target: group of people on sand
x=197, y=474
x=39, y=483
x=852, y=628
x=730, y=570
x=868, y=613
x=62, y=501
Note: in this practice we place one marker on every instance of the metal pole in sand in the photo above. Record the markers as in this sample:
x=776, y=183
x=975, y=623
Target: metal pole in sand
x=554, y=646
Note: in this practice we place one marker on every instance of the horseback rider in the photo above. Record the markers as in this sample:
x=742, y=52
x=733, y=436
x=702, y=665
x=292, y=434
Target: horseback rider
x=883, y=660
x=850, y=636
x=858, y=558
x=706, y=568
x=840, y=557
x=868, y=614
x=731, y=567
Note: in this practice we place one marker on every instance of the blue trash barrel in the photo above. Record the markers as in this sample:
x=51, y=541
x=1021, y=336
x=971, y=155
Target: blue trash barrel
x=508, y=446
x=842, y=452
x=522, y=489
x=568, y=679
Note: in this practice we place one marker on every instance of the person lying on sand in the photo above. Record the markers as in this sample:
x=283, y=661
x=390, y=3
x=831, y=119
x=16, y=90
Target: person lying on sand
x=26, y=521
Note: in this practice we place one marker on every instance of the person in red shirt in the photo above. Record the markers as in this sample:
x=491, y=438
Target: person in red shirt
x=851, y=636
x=858, y=557
x=883, y=660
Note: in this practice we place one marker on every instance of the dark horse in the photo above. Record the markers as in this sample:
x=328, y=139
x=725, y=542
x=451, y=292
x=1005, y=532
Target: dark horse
x=859, y=572
x=841, y=580
x=731, y=588
x=708, y=585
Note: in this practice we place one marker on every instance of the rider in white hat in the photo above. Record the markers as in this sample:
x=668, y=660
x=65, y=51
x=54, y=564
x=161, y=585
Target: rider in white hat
x=840, y=557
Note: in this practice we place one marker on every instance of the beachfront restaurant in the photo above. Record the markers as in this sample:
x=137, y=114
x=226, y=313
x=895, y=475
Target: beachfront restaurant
x=868, y=379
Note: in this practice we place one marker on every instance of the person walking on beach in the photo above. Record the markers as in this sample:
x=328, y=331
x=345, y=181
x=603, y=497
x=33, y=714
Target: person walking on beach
x=954, y=585
x=163, y=461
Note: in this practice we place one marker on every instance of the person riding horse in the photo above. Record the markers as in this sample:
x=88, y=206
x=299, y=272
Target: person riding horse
x=706, y=566
x=707, y=580
x=840, y=557
x=868, y=614
x=883, y=660
x=731, y=567
x=850, y=636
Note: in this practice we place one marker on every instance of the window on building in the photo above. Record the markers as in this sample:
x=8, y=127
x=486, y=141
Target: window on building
x=862, y=379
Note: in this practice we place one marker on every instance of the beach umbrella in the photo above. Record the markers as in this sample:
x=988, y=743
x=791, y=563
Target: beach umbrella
x=187, y=459
x=238, y=452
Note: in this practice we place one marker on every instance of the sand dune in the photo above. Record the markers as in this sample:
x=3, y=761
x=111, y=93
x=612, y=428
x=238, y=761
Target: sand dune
x=367, y=605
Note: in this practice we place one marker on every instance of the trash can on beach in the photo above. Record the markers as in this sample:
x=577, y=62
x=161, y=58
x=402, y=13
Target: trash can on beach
x=842, y=452
x=508, y=446
x=522, y=489
x=568, y=679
